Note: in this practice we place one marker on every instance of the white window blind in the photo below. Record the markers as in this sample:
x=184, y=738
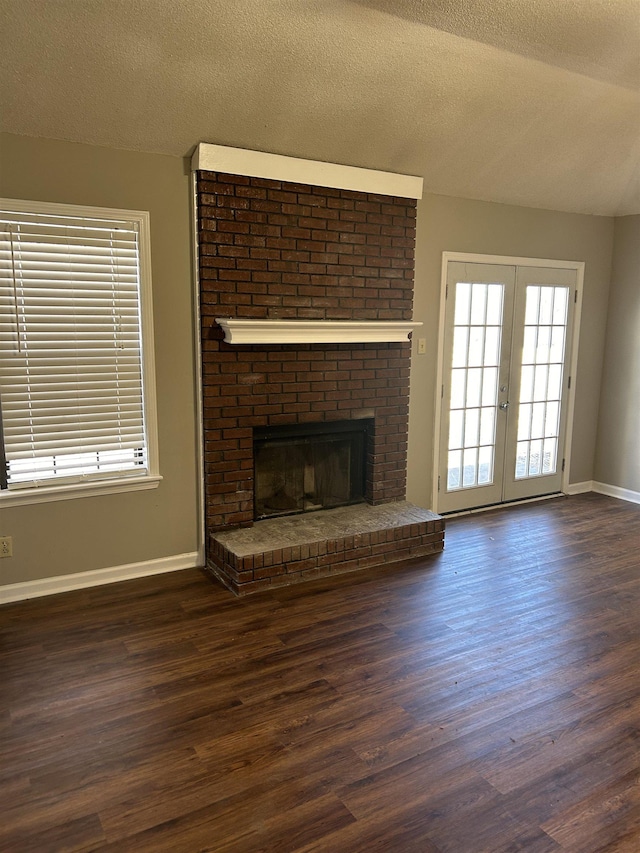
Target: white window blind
x=72, y=389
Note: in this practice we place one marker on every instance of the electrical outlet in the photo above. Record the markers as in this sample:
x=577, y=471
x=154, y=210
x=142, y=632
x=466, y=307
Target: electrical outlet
x=6, y=546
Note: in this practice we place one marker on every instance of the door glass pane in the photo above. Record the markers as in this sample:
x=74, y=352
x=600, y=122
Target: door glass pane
x=546, y=305
x=541, y=386
x=458, y=385
x=485, y=465
x=560, y=302
x=535, y=460
x=454, y=470
x=524, y=422
x=531, y=309
x=476, y=346
x=494, y=304
x=540, y=382
x=557, y=344
x=474, y=384
x=470, y=469
x=463, y=303
x=460, y=346
x=549, y=455
x=522, y=459
x=478, y=304
x=537, y=420
x=529, y=345
x=487, y=425
x=471, y=424
x=526, y=384
x=542, y=344
x=490, y=386
x=456, y=419
x=492, y=345
x=551, y=419
x=555, y=382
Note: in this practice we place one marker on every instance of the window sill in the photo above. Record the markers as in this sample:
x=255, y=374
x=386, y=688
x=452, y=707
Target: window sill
x=45, y=494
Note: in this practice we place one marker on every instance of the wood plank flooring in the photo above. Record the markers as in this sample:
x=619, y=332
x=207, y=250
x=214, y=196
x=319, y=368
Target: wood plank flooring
x=483, y=700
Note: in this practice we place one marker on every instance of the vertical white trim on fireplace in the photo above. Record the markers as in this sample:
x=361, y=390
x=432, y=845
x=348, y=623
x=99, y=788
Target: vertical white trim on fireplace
x=199, y=390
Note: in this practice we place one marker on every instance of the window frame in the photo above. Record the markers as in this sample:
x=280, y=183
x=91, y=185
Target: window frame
x=125, y=481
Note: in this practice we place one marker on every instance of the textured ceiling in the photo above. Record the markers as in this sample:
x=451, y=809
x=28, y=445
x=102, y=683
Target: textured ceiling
x=531, y=102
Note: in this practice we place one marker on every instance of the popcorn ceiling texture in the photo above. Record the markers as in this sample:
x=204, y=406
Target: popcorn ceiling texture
x=531, y=103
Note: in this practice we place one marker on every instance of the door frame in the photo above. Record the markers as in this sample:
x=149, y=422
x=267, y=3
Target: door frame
x=572, y=361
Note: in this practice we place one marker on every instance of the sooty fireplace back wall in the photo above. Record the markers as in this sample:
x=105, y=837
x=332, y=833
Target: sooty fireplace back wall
x=274, y=249
x=308, y=467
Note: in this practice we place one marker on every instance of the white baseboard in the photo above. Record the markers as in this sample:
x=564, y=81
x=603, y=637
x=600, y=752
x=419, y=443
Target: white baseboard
x=98, y=577
x=579, y=488
x=617, y=492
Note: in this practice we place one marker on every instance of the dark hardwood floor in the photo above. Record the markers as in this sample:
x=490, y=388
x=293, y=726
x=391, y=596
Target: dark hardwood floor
x=484, y=699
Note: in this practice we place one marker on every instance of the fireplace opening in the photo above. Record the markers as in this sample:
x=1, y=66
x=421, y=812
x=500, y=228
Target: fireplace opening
x=308, y=467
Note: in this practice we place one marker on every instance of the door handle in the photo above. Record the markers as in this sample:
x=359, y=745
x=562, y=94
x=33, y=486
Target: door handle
x=504, y=406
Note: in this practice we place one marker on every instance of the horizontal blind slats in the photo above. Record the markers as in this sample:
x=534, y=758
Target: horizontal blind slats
x=70, y=346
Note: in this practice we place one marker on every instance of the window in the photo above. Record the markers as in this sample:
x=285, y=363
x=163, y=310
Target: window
x=77, y=390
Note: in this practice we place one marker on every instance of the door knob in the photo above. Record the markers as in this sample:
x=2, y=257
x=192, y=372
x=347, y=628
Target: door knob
x=504, y=406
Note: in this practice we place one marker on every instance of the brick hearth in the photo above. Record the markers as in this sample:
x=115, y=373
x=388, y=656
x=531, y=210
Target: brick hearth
x=277, y=552
x=277, y=250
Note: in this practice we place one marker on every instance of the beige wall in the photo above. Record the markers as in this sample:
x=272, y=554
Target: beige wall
x=113, y=530
x=618, y=452
x=460, y=225
x=92, y=533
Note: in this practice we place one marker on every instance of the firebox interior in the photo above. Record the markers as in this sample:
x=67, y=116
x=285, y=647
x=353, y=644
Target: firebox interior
x=307, y=467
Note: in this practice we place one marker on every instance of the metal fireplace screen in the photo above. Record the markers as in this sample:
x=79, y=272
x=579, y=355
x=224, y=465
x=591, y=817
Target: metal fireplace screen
x=308, y=467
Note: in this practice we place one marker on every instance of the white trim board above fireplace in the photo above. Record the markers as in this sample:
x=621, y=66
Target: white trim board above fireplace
x=276, y=167
x=238, y=331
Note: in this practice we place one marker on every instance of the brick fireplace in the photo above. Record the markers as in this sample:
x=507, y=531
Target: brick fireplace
x=281, y=250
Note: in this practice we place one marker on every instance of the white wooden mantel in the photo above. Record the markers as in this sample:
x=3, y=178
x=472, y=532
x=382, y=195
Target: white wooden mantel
x=239, y=331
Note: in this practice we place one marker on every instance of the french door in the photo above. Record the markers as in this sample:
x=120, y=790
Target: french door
x=507, y=340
